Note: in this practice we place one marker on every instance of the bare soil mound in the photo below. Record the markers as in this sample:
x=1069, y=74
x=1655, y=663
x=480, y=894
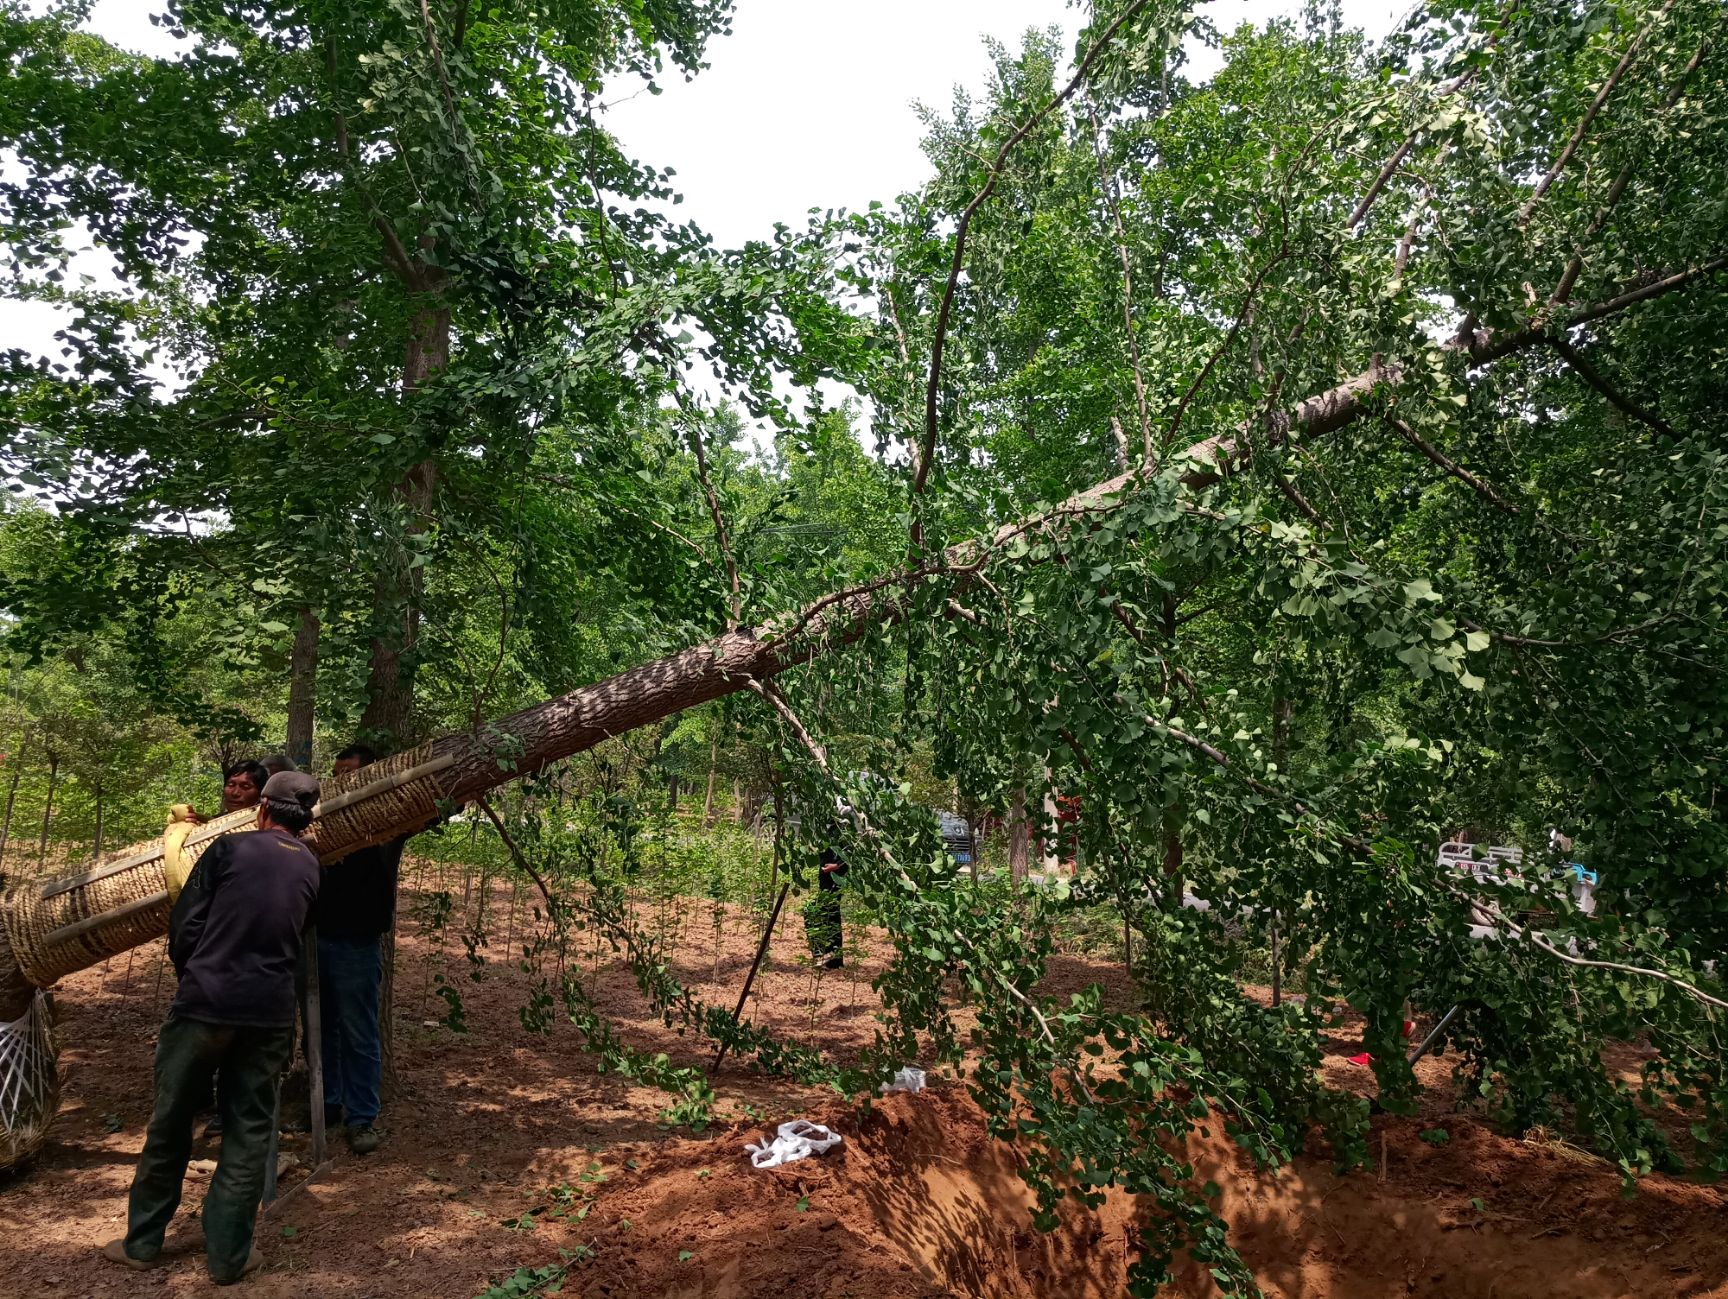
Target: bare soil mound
x=507, y=1147
x=919, y=1201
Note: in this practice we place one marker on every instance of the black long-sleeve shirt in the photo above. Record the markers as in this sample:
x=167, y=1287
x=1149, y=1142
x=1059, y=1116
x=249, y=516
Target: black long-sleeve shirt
x=358, y=898
x=234, y=935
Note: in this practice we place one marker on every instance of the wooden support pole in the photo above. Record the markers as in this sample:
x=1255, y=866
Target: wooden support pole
x=761, y=951
x=314, y=1050
x=1434, y=1033
x=292, y=1191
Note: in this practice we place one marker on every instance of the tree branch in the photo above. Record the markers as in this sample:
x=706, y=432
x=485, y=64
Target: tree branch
x=1112, y=202
x=394, y=252
x=438, y=64
x=1218, y=758
x=1360, y=212
x=1583, y=127
x=1569, y=278
x=1654, y=289
x=1614, y=636
x=1592, y=376
x=720, y=538
x=517, y=855
x=1294, y=496
x=1493, y=916
x=772, y=693
x=932, y=388
x=1223, y=347
x=1457, y=471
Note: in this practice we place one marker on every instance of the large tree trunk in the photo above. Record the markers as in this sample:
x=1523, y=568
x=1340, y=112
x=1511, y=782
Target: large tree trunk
x=303, y=688
x=389, y=713
x=725, y=665
x=1051, y=831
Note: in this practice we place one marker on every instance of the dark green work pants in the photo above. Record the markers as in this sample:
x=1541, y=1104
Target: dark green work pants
x=188, y=1053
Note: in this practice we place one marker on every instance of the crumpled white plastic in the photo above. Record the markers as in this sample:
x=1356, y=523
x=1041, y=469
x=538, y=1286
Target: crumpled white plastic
x=907, y=1080
x=796, y=1140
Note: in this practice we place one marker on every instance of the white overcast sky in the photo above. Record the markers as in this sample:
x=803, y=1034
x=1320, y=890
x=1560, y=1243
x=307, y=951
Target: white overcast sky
x=809, y=103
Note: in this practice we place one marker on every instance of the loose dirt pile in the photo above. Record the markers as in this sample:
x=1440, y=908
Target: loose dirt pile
x=921, y=1202
x=508, y=1148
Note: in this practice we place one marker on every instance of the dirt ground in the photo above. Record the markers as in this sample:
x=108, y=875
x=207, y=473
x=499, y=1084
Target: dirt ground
x=507, y=1149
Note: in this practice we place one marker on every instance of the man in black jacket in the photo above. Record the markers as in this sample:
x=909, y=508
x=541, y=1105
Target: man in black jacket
x=356, y=908
x=234, y=938
x=822, y=925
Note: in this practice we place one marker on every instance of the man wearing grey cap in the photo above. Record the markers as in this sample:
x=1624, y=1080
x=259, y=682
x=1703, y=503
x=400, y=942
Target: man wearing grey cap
x=234, y=938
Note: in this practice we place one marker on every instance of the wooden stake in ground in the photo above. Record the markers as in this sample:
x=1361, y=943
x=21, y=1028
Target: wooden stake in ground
x=761, y=951
x=314, y=1052
x=389, y=1078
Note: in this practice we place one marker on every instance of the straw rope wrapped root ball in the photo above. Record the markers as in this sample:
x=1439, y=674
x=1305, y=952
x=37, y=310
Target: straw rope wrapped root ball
x=49, y=930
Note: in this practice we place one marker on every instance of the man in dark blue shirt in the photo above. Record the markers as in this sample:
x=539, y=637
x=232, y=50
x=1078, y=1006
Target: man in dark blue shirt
x=234, y=939
x=356, y=908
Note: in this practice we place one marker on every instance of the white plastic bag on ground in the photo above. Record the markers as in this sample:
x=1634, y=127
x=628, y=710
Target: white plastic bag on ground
x=907, y=1080
x=796, y=1140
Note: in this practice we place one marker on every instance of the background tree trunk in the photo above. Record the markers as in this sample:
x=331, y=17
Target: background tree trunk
x=1051, y=830
x=1173, y=854
x=12, y=796
x=96, y=852
x=48, y=807
x=303, y=688
x=708, y=798
x=389, y=713
x=1019, y=836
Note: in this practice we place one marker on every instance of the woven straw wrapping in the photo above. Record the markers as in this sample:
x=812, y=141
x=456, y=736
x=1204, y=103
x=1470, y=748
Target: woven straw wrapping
x=382, y=815
x=29, y=1082
x=134, y=901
